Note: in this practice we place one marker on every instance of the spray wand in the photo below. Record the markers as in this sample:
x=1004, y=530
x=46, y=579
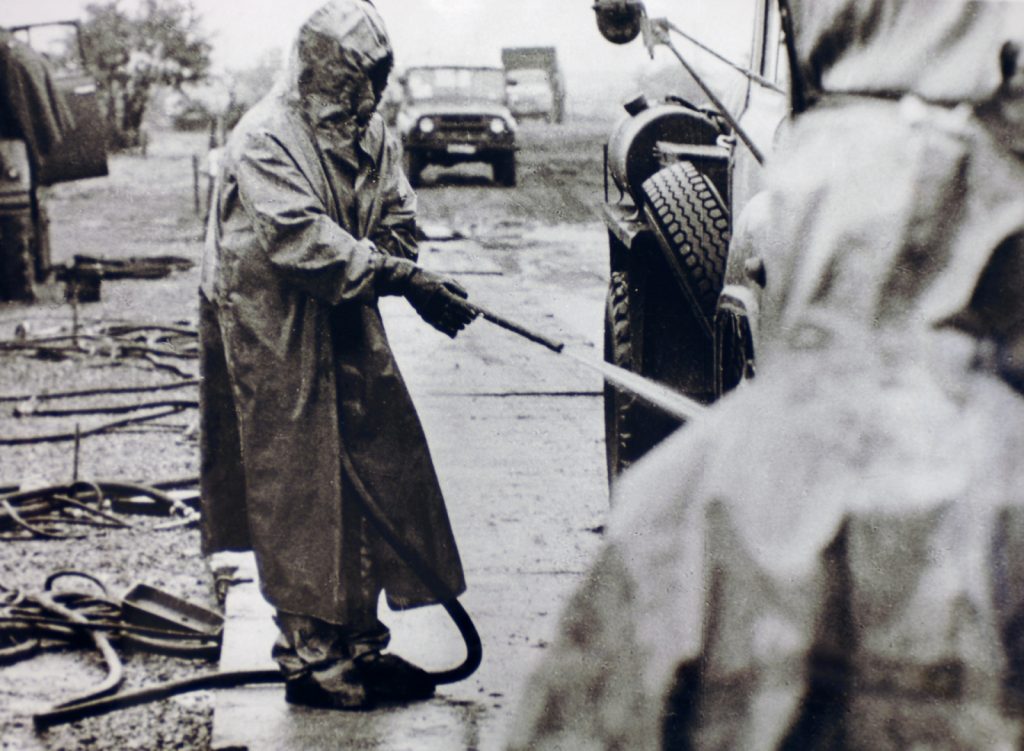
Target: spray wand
x=657, y=395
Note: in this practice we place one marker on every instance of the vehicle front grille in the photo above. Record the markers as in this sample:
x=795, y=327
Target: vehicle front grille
x=463, y=127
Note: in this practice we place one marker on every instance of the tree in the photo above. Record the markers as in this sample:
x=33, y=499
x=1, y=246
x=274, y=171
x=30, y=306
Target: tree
x=161, y=44
x=251, y=84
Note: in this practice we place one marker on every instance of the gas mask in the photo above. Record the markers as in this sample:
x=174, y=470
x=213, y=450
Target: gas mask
x=336, y=96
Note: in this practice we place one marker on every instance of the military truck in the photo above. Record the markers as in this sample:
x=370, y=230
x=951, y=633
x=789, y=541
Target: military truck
x=535, y=84
x=679, y=308
x=455, y=114
x=30, y=161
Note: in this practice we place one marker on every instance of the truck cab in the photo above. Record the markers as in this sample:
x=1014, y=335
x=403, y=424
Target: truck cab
x=535, y=83
x=51, y=131
x=531, y=94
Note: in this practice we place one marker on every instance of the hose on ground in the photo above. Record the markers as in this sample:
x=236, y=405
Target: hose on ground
x=66, y=713
x=458, y=614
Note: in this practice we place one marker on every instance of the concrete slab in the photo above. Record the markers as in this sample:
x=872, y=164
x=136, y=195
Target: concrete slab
x=469, y=715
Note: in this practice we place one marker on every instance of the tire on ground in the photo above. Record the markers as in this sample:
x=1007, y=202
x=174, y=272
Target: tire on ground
x=413, y=165
x=691, y=223
x=17, y=265
x=620, y=408
x=505, y=170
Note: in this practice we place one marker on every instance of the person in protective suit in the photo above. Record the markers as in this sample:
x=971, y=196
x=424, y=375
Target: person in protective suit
x=303, y=406
x=833, y=558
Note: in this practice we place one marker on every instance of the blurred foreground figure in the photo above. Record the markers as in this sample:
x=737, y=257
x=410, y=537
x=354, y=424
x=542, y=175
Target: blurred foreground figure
x=834, y=557
x=313, y=220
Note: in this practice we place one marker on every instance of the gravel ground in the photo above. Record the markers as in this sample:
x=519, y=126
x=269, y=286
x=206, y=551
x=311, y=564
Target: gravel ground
x=145, y=208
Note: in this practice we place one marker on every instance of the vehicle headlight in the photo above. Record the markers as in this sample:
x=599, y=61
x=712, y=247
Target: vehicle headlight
x=498, y=126
x=427, y=125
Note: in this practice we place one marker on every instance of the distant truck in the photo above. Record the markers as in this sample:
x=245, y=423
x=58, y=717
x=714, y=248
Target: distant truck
x=51, y=131
x=535, y=84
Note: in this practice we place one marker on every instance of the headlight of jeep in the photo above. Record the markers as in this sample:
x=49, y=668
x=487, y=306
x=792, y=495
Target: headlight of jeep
x=497, y=126
x=427, y=125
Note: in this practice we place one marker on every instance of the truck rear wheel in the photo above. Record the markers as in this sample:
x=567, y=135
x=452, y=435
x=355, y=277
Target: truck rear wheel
x=413, y=165
x=691, y=224
x=505, y=170
x=644, y=335
x=620, y=408
x=17, y=265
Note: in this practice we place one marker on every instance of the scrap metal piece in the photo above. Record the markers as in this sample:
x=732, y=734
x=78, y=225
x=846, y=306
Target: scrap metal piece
x=145, y=605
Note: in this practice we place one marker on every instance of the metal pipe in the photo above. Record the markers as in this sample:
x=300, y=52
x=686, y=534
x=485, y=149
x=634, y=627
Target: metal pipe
x=719, y=105
x=756, y=78
x=515, y=328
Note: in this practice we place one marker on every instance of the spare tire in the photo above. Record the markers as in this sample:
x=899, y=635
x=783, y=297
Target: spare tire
x=691, y=223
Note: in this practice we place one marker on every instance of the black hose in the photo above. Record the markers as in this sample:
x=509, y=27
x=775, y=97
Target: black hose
x=458, y=614
x=97, y=392
x=112, y=409
x=104, y=428
x=79, y=711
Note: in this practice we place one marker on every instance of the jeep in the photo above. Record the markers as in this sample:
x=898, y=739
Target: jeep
x=452, y=115
x=679, y=309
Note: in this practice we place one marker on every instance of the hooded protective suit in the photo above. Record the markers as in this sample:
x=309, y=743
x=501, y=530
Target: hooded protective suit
x=309, y=200
x=834, y=557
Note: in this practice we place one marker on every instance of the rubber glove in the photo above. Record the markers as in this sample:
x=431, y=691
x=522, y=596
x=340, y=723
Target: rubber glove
x=439, y=300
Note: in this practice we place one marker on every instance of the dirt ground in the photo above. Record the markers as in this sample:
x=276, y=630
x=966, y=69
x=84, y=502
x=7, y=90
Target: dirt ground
x=532, y=236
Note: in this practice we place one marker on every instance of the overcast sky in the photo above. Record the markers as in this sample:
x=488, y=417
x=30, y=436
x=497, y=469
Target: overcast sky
x=444, y=31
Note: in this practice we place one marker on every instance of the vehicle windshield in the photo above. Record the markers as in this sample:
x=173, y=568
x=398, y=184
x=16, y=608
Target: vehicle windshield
x=727, y=26
x=458, y=84
x=57, y=43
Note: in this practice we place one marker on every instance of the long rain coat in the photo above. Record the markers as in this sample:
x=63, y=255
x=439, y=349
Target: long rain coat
x=290, y=272
x=834, y=557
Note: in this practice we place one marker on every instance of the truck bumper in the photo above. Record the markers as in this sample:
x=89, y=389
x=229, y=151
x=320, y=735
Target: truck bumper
x=626, y=225
x=457, y=153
